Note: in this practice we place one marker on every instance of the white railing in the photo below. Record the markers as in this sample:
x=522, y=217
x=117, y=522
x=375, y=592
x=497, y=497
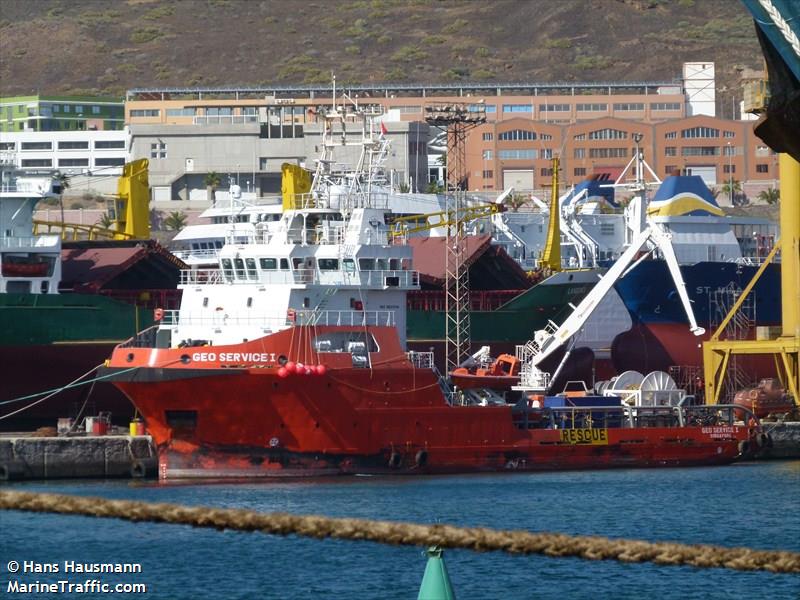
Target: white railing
x=201, y=276
x=205, y=254
x=402, y=279
x=221, y=318
x=39, y=241
x=342, y=318
x=420, y=360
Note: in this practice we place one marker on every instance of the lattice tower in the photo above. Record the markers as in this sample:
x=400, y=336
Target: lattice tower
x=458, y=119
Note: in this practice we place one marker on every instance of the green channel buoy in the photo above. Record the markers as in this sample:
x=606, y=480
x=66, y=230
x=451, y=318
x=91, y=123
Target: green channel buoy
x=436, y=582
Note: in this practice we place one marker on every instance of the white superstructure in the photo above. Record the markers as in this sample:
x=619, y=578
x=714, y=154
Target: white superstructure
x=29, y=264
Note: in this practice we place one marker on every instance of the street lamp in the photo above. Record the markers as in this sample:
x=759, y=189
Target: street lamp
x=730, y=174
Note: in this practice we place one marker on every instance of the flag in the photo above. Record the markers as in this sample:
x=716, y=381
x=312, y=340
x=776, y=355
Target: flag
x=383, y=128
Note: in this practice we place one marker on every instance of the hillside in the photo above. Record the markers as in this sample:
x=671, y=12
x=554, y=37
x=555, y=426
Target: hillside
x=102, y=47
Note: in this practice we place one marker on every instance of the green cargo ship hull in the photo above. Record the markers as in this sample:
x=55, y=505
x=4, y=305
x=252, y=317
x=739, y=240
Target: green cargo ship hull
x=515, y=321
x=41, y=319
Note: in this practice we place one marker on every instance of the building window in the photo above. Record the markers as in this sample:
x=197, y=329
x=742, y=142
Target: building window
x=591, y=107
x=629, y=106
x=762, y=168
x=37, y=145
x=181, y=112
x=145, y=112
x=580, y=137
x=516, y=154
x=109, y=145
x=508, y=108
x=67, y=108
x=487, y=155
x=671, y=135
x=7, y=145
x=488, y=174
x=95, y=110
x=73, y=162
x=665, y=106
x=554, y=107
x=79, y=109
x=109, y=162
x=408, y=109
x=546, y=153
x=547, y=172
x=731, y=168
x=729, y=150
x=608, y=134
x=608, y=152
x=579, y=153
x=700, y=132
x=700, y=151
x=670, y=169
x=488, y=137
x=489, y=108
x=516, y=135
x=158, y=150
x=545, y=136
x=579, y=171
x=728, y=134
x=670, y=151
x=73, y=145
x=37, y=162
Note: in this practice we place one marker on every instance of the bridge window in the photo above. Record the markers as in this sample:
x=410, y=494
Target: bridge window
x=268, y=264
x=328, y=264
x=366, y=264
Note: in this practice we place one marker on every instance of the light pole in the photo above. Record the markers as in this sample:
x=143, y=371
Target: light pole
x=730, y=174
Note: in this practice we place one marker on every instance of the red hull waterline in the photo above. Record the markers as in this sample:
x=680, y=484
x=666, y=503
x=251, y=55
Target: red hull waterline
x=233, y=411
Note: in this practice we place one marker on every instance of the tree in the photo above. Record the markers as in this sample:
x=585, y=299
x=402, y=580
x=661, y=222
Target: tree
x=732, y=188
x=770, y=196
x=212, y=181
x=434, y=188
x=175, y=221
x=105, y=221
x=517, y=201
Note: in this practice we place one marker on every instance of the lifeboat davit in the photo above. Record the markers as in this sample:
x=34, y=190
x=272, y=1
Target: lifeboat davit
x=501, y=374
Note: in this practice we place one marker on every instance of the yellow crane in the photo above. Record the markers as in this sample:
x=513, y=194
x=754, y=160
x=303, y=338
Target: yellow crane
x=403, y=226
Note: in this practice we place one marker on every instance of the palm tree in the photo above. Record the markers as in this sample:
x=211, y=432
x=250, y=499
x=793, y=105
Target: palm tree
x=770, y=196
x=212, y=181
x=517, y=201
x=63, y=181
x=732, y=188
x=105, y=221
x=176, y=220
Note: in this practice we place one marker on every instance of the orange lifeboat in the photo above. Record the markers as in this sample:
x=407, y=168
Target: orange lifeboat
x=25, y=269
x=768, y=397
x=501, y=374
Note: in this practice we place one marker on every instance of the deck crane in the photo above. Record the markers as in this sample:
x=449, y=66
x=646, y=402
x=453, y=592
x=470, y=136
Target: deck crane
x=650, y=237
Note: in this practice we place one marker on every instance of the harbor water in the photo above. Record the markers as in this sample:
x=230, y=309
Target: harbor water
x=749, y=504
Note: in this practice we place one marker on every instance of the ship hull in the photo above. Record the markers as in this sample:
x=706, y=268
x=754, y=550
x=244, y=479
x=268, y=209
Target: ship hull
x=215, y=419
x=47, y=341
x=660, y=336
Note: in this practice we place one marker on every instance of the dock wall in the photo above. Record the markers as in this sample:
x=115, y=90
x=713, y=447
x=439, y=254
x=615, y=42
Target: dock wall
x=29, y=457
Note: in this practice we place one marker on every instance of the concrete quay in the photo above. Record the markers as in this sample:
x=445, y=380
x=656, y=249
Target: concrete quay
x=26, y=456
x=784, y=440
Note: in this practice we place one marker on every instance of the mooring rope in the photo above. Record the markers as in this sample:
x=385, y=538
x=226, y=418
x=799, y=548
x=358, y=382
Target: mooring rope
x=479, y=539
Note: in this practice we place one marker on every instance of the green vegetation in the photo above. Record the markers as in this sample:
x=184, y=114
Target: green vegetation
x=434, y=40
x=410, y=54
x=105, y=221
x=146, y=34
x=159, y=12
x=587, y=63
x=176, y=220
x=455, y=26
x=562, y=43
x=482, y=52
x=352, y=50
x=770, y=196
